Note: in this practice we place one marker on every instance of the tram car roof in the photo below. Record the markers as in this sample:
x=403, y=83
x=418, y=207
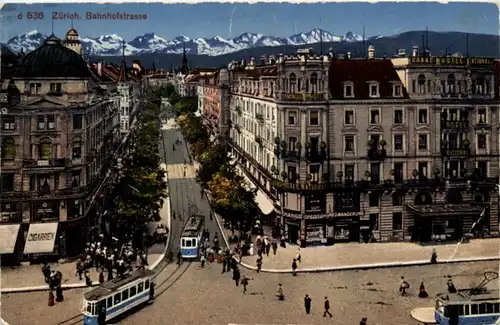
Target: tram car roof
x=191, y=228
x=462, y=296
x=110, y=286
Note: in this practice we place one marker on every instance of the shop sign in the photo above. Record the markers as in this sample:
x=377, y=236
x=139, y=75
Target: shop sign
x=345, y=214
x=45, y=209
x=451, y=61
x=34, y=237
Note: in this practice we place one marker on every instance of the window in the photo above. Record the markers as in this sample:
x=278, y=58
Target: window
x=51, y=122
x=349, y=117
x=40, y=122
x=374, y=116
x=45, y=149
x=8, y=149
x=482, y=168
x=374, y=220
x=75, y=178
x=314, y=82
x=397, y=221
x=481, y=116
x=421, y=84
x=292, y=142
x=423, y=170
x=146, y=285
x=349, y=172
x=314, y=118
x=450, y=83
x=133, y=291
x=77, y=148
x=292, y=118
x=8, y=123
x=314, y=171
x=481, y=141
x=422, y=142
x=35, y=88
x=374, y=199
x=55, y=88
x=124, y=294
x=374, y=90
x=398, y=116
x=293, y=83
x=117, y=299
x=348, y=90
x=78, y=122
x=397, y=91
x=292, y=174
x=188, y=243
x=398, y=172
x=109, y=304
x=397, y=199
x=140, y=287
x=422, y=116
x=398, y=142
x=349, y=143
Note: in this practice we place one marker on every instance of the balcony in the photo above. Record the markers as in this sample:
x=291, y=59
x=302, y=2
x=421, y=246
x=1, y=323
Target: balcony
x=299, y=97
x=376, y=154
x=51, y=163
x=454, y=125
x=449, y=152
x=316, y=155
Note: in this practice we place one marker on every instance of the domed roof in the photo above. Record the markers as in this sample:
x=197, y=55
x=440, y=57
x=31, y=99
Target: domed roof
x=72, y=32
x=52, y=60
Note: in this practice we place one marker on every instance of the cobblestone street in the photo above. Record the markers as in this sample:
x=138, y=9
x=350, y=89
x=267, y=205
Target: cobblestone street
x=204, y=296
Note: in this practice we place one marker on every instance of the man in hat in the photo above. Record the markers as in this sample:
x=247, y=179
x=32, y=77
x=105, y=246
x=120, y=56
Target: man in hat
x=363, y=321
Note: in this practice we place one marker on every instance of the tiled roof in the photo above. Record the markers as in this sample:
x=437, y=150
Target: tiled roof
x=265, y=71
x=360, y=73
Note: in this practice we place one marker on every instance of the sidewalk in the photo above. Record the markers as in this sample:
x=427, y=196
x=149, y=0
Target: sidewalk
x=374, y=255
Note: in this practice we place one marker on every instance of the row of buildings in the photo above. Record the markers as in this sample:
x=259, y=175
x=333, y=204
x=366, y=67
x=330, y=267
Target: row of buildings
x=345, y=149
x=64, y=125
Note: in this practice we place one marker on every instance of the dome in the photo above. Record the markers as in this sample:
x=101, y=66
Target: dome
x=72, y=32
x=52, y=60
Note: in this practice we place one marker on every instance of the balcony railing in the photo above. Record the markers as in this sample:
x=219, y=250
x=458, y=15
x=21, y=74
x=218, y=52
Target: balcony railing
x=375, y=153
x=448, y=152
x=454, y=125
x=302, y=97
x=32, y=163
x=316, y=156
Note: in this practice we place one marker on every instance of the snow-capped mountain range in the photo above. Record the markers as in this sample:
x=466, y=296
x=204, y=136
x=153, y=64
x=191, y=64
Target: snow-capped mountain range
x=112, y=45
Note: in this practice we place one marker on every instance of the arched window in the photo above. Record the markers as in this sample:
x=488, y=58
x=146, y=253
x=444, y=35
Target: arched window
x=45, y=149
x=77, y=148
x=314, y=82
x=8, y=149
x=293, y=83
x=450, y=84
x=421, y=84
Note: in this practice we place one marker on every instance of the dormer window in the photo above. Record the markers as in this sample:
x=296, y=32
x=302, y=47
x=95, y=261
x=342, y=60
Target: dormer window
x=348, y=90
x=374, y=90
x=397, y=90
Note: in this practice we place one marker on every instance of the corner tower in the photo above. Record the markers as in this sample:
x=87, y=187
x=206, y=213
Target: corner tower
x=72, y=41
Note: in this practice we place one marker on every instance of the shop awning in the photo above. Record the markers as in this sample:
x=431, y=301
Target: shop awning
x=8, y=238
x=41, y=238
x=265, y=205
x=444, y=209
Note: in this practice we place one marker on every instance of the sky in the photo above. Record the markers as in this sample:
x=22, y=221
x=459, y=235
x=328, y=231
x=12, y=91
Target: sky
x=274, y=19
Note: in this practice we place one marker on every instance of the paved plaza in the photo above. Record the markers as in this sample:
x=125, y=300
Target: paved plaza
x=205, y=296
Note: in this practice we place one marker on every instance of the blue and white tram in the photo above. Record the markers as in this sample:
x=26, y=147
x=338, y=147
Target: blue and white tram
x=117, y=296
x=191, y=238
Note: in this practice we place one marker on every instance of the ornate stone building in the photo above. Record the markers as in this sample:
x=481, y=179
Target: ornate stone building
x=358, y=149
x=60, y=136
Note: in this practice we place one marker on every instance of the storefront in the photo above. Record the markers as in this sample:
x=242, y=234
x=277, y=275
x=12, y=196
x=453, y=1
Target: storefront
x=319, y=232
x=45, y=211
x=346, y=229
x=41, y=241
x=10, y=212
x=73, y=236
x=9, y=244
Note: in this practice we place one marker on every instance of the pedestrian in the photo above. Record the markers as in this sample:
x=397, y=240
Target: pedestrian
x=88, y=282
x=307, y=304
x=403, y=286
x=173, y=215
x=451, y=286
x=101, y=275
x=327, y=308
x=363, y=321
x=244, y=283
x=422, y=293
x=274, y=245
x=294, y=267
x=281, y=294
x=434, y=256
x=297, y=256
x=203, y=261
x=179, y=258
x=259, y=264
x=225, y=262
x=59, y=294
x=236, y=276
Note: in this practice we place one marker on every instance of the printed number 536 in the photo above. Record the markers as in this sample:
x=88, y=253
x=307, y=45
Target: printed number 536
x=35, y=15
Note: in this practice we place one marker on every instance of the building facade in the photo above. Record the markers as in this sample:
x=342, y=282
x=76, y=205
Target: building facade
x=60, y=137
x=369, y=149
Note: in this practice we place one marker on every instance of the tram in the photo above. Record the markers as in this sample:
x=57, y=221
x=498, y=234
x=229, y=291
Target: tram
x=115, y=297
x=476, y=306
x=191, y=238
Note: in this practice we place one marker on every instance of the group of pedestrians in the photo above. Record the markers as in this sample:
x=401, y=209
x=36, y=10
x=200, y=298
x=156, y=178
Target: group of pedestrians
x=54, y=279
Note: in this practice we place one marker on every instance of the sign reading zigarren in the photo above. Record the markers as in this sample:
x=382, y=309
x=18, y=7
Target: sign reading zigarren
x=41, y=236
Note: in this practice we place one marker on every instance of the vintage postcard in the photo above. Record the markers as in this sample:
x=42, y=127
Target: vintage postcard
x=237, y=163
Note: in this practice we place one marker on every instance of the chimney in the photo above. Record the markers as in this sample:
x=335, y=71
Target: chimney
x=415, y=51
x=252, y=61
x=99, y=69
x=371, y=52
x=263, y=60
x=272, y=59
x=348, y=55
x=401, y=53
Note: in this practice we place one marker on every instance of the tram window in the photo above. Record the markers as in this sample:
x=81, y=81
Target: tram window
x=193, y=242
x=183, y=242
x=89, y=308
x=110, y=302
x=133, y=291
x=473, y=310
x=125, y=295
x=117, y=298
x=482, y=309
x=496, y=307
x=188, y=243
x=490, y=308
x=466, y=310
x=460, y=310
x=140, y=287
x=146, y=286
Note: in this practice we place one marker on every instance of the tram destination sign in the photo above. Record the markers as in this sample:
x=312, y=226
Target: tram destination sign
x=450, y=60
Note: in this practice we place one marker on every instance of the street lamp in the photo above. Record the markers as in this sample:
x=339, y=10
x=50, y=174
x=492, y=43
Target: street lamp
x=3, y=111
